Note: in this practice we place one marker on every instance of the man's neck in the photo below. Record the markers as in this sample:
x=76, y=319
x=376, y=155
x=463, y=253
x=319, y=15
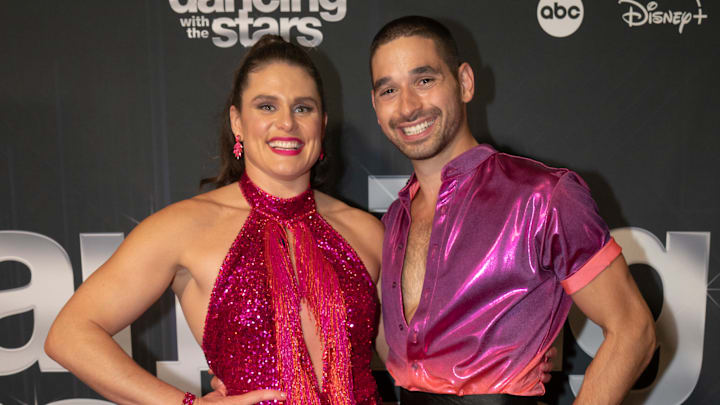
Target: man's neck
x=428, y=171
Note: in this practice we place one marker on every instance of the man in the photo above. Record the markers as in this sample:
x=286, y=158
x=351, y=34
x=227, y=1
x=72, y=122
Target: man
x=484, y=252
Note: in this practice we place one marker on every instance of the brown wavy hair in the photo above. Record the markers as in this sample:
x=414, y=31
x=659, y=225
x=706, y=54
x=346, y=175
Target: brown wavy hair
x=269, y=49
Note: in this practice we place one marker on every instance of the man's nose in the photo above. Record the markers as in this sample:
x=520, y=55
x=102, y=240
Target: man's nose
x=410, y=104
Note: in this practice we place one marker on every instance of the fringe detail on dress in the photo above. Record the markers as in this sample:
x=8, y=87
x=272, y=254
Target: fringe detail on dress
x=318, y=284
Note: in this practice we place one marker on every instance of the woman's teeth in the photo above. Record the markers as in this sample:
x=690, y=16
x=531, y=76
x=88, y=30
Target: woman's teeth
x=289, y=145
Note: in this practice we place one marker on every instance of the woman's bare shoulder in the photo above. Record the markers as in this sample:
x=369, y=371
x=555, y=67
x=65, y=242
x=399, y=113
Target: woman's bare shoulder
x=199, y=212
x=330, y=207
x=361, y=229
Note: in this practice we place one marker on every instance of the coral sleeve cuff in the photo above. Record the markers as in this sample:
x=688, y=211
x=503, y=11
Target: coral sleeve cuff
x=599, y=262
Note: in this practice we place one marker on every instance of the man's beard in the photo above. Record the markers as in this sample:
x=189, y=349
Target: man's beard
x=436, y=143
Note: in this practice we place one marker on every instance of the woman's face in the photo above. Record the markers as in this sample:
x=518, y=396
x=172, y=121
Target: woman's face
x=280, y=123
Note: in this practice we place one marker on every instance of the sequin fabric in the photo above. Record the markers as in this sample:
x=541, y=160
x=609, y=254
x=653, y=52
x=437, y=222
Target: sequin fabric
x=241, y=337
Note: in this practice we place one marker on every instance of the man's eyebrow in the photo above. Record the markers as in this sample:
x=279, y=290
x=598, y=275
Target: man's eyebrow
x=423, y=70
x=420, y=70
x=381, y=82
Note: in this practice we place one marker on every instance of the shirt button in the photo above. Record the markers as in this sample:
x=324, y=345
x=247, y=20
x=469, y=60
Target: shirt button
x=400, y=246
x=394, y=284
x=414, y=365
x=401, y=327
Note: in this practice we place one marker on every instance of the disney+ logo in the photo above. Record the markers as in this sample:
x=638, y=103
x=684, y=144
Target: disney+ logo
x=649, y=14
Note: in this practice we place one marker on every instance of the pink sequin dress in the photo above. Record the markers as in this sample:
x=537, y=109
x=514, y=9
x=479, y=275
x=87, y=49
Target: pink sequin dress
x=253, y=338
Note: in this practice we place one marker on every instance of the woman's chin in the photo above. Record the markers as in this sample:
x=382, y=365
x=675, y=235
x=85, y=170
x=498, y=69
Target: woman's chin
x=284, y=173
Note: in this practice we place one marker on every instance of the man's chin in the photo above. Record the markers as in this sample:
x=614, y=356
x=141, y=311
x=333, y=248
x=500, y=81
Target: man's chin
x=418, y=153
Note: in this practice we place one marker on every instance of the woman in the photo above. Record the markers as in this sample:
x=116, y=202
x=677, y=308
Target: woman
x=292, y=311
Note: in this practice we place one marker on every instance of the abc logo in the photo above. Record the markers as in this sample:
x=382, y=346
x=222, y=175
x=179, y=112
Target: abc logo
x=560, y=18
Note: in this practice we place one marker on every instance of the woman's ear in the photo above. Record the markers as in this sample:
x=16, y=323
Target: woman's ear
x=324, y=127
x=236, y=122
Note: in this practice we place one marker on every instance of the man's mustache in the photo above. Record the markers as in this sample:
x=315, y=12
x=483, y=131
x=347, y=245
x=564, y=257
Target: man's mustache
x=429, y=112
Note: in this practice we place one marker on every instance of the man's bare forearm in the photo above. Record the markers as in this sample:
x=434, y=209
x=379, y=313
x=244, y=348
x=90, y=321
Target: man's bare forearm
x=619, y=362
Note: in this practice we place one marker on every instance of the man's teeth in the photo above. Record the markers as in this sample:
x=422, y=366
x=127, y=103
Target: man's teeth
x=416, y=129
x=290, y=145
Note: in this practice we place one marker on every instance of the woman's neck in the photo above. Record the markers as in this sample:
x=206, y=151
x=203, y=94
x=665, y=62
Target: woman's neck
x=276, y=186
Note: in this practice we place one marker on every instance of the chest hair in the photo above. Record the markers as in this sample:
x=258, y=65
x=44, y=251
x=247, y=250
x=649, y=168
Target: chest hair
x=413, y=274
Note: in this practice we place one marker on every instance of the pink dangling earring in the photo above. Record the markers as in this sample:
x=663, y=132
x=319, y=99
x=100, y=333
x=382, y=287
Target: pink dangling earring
x=238, y=148
x=322, y=154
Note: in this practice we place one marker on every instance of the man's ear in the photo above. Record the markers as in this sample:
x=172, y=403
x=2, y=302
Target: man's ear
x=236, y=122
x=466, y=78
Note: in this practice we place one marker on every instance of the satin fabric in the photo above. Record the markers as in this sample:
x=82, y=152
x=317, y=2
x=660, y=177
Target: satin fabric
x=509, y=234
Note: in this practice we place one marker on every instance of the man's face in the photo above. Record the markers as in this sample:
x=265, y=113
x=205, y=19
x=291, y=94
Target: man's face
x=417, y=100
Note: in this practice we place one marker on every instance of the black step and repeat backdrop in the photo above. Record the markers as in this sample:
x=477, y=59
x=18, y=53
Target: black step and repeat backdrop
x=109, y=112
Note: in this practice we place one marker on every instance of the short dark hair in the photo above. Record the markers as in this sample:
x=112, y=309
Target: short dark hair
x=269, y=49
x=415, y=25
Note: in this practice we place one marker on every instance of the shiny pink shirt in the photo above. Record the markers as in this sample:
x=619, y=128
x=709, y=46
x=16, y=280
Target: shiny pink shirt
x=511, y=239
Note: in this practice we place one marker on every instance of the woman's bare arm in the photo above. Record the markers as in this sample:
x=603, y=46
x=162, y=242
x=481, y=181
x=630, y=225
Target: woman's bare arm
x=113, y=297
